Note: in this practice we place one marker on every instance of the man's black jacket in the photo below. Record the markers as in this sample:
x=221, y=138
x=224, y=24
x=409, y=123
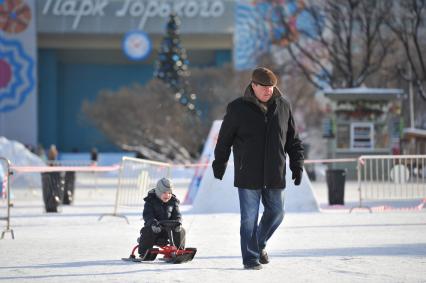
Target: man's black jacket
x=156, y=210
x=260, y=140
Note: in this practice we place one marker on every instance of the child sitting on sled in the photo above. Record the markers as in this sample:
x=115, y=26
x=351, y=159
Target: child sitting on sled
x=160, y=204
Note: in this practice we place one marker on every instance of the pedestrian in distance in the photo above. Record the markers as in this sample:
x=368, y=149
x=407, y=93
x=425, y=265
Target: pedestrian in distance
x=53, y=153
x=260, y=129
x=94, y=156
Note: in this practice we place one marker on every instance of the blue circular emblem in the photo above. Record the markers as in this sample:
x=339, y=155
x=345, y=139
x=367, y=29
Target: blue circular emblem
x=136, y=45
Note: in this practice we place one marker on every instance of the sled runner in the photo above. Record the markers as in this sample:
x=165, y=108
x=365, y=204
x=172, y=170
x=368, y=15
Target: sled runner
x=167, y=247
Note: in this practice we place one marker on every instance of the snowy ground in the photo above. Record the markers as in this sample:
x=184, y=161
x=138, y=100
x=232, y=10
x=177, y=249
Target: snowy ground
x=331, y=246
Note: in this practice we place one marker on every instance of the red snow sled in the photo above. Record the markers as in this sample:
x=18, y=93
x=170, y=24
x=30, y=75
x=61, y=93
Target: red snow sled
x=172, y=254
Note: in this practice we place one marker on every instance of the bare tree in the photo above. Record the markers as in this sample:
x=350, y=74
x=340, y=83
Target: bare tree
x=146, y=119
x=349, y=39
x=407, y=22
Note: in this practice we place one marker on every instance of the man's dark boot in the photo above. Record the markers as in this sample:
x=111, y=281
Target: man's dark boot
x=263, y=259
x=253, y=266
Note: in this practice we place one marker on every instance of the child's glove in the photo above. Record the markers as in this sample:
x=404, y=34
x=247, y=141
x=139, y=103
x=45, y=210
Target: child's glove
x=156, y=228
x=178, y=228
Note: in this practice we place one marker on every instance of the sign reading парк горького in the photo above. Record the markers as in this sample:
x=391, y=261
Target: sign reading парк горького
x=108, y=15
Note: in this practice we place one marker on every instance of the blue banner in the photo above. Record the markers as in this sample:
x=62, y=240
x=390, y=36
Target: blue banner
x=18, y=101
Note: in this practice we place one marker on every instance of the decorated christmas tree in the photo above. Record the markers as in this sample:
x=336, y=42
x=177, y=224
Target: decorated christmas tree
x=172, y=64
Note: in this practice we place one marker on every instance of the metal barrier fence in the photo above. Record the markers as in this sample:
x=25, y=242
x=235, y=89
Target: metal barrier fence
x=5, y=185
x=85, y=173
x=391, y=177
x=136, y=177
x=27, y=177
x=88, y=178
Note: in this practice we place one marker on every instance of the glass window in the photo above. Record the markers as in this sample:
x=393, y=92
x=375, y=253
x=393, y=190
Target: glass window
x=362, y=136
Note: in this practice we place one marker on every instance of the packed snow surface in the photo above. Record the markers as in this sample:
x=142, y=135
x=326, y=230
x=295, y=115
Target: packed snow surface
x=73, y=246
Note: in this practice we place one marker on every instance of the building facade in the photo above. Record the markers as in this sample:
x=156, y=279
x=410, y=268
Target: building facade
x=78, y=50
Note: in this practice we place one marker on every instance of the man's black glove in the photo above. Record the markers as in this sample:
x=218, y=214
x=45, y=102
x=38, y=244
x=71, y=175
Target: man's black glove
x=156, y=228
x=297, y=176
x=218, y=170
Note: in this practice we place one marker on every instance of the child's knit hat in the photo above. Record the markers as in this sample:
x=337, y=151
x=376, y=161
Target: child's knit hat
x=163, y=185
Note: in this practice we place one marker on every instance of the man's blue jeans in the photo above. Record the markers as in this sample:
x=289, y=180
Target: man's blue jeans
x=253, y=235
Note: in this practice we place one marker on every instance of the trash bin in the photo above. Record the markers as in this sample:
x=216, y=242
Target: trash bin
x=336, y=186
x=69, y=185
x=53, y=190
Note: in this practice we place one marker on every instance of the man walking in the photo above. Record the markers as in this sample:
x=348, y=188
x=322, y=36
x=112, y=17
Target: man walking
x=259, y=127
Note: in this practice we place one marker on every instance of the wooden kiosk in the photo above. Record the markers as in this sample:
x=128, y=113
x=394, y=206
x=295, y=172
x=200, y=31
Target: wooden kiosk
x=363, y=121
